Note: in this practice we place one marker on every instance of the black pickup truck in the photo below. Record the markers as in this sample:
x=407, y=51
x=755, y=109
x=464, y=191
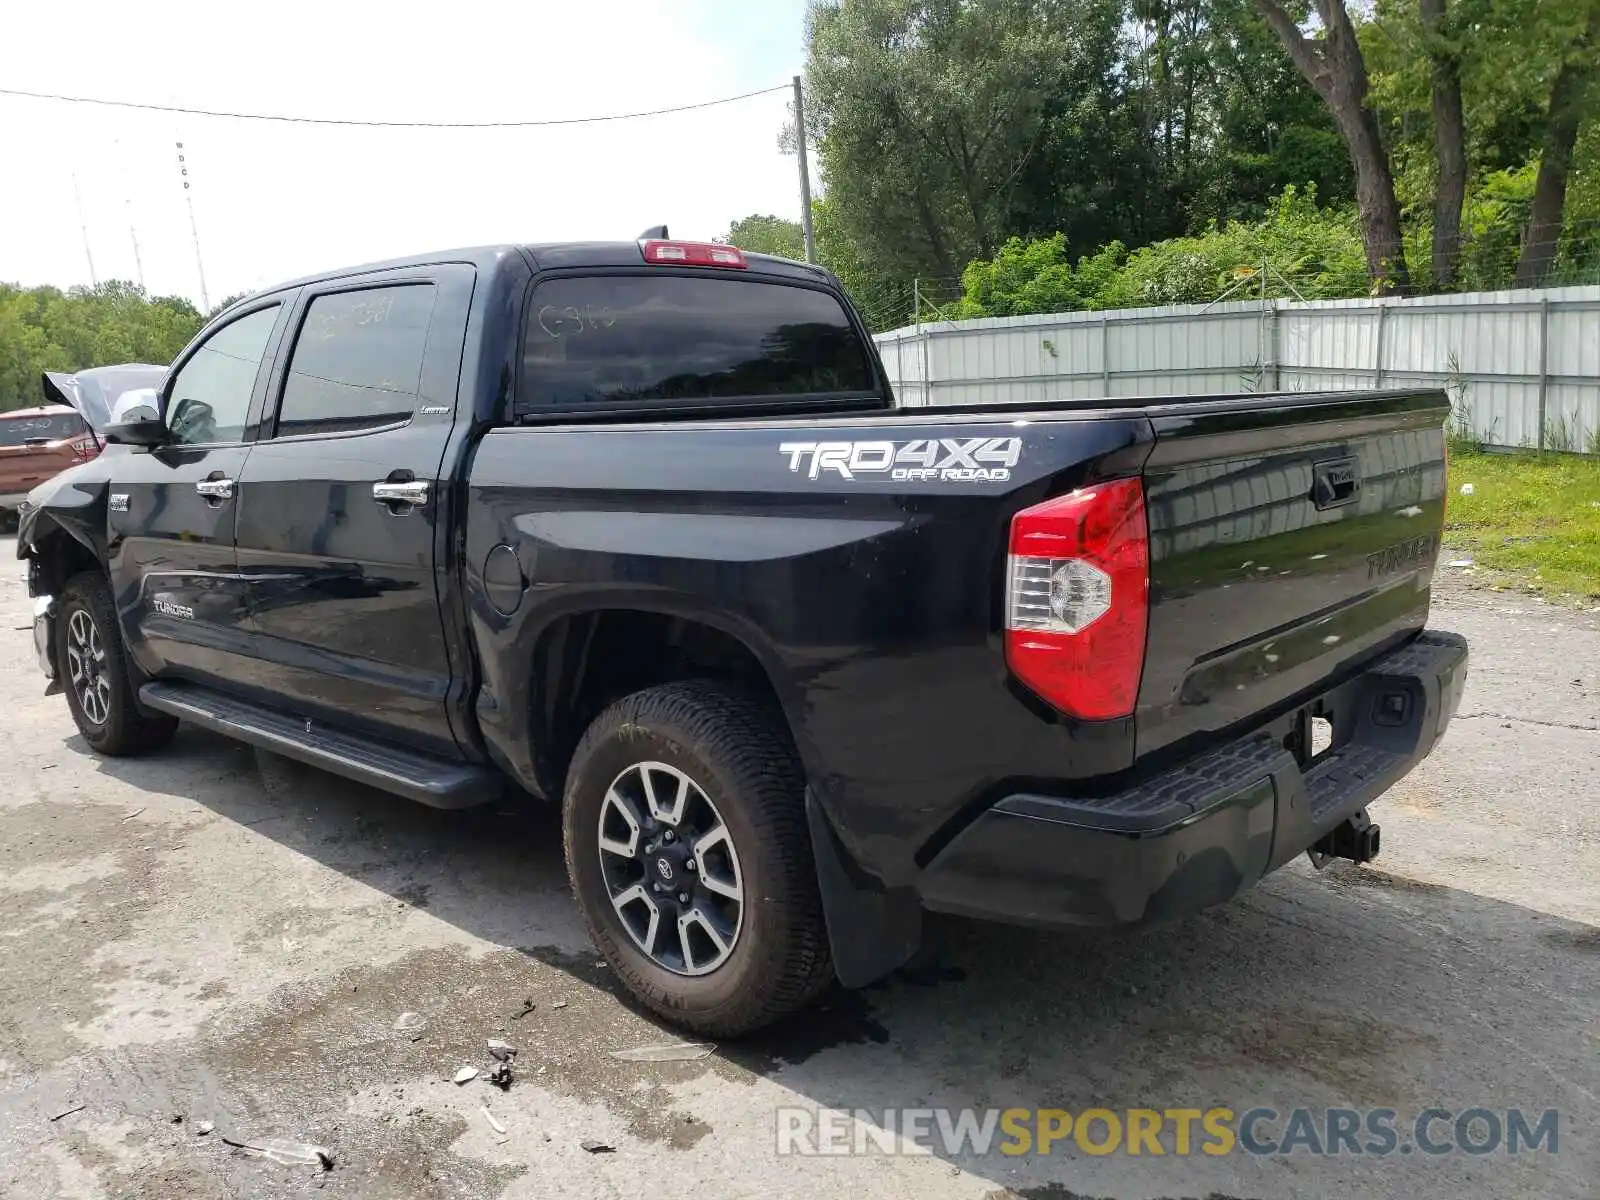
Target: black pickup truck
x=636, y=527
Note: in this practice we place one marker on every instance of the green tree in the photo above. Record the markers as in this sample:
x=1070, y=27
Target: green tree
x=1335, y=66
x=1319, y=249
x=767, y=235
x=227, y=302
x=1569, y=105
x=1525, y=74
x=928, y=112
x=45, y=329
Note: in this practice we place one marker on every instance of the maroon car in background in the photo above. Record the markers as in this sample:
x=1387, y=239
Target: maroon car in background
x=37, y=443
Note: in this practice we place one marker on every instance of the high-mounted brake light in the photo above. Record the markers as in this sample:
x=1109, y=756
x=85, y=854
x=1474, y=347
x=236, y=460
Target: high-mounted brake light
x=1077, y=599
x=692, y=254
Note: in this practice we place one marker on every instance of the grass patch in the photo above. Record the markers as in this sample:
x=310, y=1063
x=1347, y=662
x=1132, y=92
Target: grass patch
x=1530, y=522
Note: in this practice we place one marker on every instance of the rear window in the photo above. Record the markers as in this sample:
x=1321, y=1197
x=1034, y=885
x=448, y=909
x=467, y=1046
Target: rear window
x=636, y=340
x=14, y=431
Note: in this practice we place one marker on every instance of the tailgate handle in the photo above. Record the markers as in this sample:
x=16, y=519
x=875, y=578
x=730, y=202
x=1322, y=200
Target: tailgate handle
x=1335, y=482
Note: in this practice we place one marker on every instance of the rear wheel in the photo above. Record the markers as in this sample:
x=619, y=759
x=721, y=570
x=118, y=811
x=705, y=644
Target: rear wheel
x=689, y=856
x=91, y=665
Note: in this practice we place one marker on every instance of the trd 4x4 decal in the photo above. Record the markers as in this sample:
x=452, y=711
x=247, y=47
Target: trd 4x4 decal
x=949, y=459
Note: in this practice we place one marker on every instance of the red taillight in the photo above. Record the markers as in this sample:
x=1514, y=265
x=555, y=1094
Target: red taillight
x=693, y=254
x=84, y=447
x=1077, y=599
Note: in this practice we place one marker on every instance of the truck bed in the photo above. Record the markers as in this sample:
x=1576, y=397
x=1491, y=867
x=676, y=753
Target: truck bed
x=875, y=602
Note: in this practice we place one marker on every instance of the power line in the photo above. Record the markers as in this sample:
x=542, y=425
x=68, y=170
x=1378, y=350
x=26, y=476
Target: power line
x=285, y=119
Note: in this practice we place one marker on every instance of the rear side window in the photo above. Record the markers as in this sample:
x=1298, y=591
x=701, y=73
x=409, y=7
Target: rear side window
x=636, y=340
x=53, y=427
x=357, y=363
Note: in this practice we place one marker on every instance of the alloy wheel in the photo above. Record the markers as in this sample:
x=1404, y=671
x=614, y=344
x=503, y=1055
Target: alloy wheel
x=671, y=869
x=86, y=667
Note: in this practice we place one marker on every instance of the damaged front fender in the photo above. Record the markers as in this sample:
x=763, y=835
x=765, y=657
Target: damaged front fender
x=62, y=522
x=61, y=530
x=44, y=642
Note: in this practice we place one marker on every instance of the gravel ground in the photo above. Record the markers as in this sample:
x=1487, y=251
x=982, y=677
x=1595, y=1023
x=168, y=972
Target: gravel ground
x=217, y=935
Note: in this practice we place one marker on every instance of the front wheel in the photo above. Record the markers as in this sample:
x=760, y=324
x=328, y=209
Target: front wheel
x=94, y=672
x=687, y=846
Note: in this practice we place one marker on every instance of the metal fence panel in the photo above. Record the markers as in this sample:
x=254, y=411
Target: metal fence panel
x=1522, y=367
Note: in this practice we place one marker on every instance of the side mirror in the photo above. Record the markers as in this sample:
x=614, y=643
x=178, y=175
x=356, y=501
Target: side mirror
x=137, y=426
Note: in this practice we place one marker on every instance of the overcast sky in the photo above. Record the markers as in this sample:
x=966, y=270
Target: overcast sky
x=273, y=201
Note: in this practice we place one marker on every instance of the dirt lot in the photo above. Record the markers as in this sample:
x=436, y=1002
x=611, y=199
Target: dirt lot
x=215, y=935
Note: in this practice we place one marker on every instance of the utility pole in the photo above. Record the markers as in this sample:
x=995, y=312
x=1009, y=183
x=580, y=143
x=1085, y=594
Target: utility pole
x=133, y=236
x=805, y=170
x=194, y=232
x=127, y=208
x=83, y=225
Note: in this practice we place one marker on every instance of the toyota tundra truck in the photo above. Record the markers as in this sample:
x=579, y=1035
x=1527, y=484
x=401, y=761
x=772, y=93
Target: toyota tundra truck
x=638, y=528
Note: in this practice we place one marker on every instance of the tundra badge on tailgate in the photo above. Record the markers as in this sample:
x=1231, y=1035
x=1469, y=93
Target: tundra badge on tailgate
x=955, y=460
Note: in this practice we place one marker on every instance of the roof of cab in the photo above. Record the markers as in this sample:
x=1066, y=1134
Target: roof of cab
x=546, y=256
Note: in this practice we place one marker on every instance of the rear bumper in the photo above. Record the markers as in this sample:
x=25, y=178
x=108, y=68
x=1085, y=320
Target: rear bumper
x=1212, y=827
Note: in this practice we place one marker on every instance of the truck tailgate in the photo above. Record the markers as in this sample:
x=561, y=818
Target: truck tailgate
x=1291, y=539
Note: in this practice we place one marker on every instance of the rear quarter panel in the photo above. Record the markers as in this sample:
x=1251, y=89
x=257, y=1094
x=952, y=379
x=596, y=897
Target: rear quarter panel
x=873, y=603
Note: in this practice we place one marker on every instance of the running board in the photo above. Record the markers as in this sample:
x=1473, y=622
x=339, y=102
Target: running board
x=436, y=782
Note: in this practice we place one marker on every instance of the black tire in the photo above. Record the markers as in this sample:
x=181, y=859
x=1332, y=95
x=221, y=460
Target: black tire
x=740, y=755
x=124, y=730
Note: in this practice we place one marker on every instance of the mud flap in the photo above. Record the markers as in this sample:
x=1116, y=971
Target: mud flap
x=871, y=929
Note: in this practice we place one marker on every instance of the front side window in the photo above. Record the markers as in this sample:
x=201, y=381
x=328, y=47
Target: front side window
x=625, y=340
x=357, y=363
x=210, y=396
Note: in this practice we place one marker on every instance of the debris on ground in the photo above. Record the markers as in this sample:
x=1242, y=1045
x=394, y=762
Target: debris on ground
x=504, y=1051
x=69, y=1112
x=1460, y=562
x=286, y=1153
x=527, y=1007
x=1467, y=489
x=501, y=1076
x=411, y=1025
x=559, y=1004
x=671, y=1052
x=133, y=814
x=466, y=1074
x=204, y=1128
x=493, y=1124
x=594, y=1147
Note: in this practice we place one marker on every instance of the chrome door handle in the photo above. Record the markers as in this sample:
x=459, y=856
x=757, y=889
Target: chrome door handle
x=413, y=492
x=215, y=489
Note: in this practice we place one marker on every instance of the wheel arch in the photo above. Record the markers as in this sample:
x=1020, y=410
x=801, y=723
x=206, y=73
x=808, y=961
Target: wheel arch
x=586, y=659
x=60, y=552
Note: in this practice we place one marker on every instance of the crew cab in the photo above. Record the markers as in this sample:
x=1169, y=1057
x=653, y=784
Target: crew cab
x=637, y=528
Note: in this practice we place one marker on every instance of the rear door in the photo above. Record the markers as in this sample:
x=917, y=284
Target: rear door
x=342, y=508
x=171, y=510
x=1291, y=538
